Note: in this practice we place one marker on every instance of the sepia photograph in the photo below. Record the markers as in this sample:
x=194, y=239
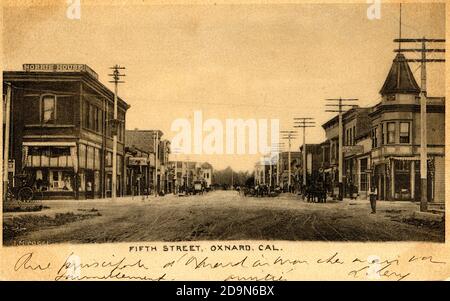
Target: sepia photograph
x=286, y=122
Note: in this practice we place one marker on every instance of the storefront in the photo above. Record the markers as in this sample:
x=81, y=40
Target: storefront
x=52, y=167
x=138, y=176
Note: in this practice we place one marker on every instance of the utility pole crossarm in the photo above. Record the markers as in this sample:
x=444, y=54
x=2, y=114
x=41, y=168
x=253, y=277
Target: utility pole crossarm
x=420, y=40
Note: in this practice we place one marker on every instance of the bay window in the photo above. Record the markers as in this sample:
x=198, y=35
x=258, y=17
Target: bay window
x=404, y=132
x=390, y=132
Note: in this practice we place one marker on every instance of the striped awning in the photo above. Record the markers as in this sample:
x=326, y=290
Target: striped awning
x=48, y=143
x=415, y=158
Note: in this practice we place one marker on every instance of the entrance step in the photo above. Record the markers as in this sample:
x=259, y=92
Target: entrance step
x=436, y=206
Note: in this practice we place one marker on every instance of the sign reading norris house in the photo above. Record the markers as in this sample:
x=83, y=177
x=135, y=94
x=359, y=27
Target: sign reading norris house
x=59, y=68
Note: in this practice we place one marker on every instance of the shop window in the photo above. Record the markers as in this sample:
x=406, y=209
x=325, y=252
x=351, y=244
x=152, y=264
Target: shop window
x=404, y=132
x=402, y=179
x=363, y=182
x=67, y=181
x=48, y=108
x=391, y=132
x=59, y=180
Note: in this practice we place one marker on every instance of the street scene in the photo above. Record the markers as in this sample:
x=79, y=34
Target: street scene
x=219, y=215
x=243, y=127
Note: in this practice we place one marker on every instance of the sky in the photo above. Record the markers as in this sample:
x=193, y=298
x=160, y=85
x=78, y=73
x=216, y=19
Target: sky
x=265, y=61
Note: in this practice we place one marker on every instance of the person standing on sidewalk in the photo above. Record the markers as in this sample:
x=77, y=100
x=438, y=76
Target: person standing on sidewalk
x=373, y=196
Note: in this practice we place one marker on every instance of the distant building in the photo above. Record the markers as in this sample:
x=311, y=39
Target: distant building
x=207, y=174
x=185, y=173
x=313, y=163
x=157, y=149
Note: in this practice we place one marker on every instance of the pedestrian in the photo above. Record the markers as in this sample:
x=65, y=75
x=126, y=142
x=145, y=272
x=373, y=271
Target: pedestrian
x=373, y=196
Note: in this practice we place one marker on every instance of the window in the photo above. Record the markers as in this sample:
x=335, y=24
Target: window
x=48, y=108
x=391, y=132
x=85, y=114
x=374, y=137
x=363, y=182
x=390, y=97
x=100, y=121
x=354, y=135
x=350, y=138
x=108, y=159
x=383, y=141
x=91, y=117
x=96, y=128
x=404, y=132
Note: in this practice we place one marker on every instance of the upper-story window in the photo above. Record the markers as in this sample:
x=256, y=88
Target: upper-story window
x=92, y=117
x=390, y=132
x=375, y=137
x=383, y=140
x=354, y=135
x=404, y=132
x=48, y=108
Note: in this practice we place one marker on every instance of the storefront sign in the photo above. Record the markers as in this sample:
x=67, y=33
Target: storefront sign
x=352, y=149
x=137, y=161
x=59, y=68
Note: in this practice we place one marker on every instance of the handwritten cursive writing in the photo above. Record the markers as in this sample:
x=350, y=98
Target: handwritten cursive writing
x=24, y=262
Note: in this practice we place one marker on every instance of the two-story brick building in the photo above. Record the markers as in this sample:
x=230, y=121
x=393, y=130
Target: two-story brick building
x=61, y=131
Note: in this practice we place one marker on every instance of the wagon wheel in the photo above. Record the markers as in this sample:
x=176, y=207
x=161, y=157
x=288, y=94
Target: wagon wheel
x=25, y=194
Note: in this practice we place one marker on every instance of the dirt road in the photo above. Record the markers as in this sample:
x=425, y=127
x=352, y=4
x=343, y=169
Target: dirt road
x=219, y=215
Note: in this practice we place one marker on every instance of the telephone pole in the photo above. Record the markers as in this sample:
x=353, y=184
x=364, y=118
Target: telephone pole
x=304, y=122
x=289, y=135
x=6, y=140
x=338, y=105
x=423, y=105
x=156, y=149
x=277, y=148
x=115, y=122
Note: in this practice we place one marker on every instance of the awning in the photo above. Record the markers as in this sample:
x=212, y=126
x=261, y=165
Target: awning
x=48, y=143
x=416, y=158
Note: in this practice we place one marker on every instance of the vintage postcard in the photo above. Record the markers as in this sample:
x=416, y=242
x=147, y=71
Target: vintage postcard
x=224, y=140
